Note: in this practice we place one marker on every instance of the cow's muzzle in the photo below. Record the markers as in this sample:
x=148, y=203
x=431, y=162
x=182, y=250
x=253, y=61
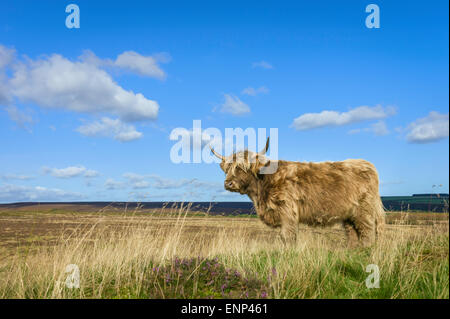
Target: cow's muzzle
x=229, y=186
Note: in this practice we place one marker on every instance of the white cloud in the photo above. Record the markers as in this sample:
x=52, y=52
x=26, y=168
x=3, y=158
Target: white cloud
x=17, y=177
x=143, y=65
x=80, y=86
x=188, y=195
x=68, y=172
x=6, y=58
x=379, y=129
x=234, y=105
x=14, y=193
x=253, y=92
x=71, y=171
x=111, y=184
x=332, y=118
x=162, y=188
x=108, y=127
x=431, y=128
x=132, y=62
x=158, y=182
x=165, y=183
x=141, y=184
x=5, y=98
x=57, y=82
x=90, y=173
x=134, y=177
x=262, y=64
x=22, y=119
x=137, y=181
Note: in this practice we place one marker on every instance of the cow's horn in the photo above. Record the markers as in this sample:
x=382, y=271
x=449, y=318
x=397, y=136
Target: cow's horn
x=217, y=154
x=264, y=151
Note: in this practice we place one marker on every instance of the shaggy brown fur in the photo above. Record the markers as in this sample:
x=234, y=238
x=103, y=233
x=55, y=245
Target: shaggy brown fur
x=316, y=194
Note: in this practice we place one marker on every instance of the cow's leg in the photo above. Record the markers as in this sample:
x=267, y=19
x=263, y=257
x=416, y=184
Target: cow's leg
x=365, y=227
x=289, y=232
x=352, y=234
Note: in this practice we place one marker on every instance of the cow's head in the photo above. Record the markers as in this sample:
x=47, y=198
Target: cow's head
x=242, y=169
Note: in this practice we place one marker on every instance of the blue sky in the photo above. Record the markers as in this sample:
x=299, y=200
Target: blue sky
x=86, y=114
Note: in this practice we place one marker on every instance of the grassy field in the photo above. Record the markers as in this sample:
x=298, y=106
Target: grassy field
x=176, y=253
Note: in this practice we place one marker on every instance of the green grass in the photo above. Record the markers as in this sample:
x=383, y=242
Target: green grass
x=175, y=262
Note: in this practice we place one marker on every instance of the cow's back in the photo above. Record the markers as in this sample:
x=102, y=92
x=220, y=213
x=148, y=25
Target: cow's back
x=324, y=192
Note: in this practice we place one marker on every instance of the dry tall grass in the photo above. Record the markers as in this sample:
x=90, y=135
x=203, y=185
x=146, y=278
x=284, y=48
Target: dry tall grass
x=118, y=262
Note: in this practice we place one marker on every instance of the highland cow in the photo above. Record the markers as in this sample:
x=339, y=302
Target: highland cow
x=315, y=194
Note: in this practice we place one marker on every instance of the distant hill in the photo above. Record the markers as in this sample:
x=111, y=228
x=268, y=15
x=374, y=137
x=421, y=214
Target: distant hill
x=440, y=195
x=226, y=208
x=420, y=202
x=423, y=202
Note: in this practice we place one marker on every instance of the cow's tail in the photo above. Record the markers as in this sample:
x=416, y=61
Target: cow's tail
x=379, y=218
